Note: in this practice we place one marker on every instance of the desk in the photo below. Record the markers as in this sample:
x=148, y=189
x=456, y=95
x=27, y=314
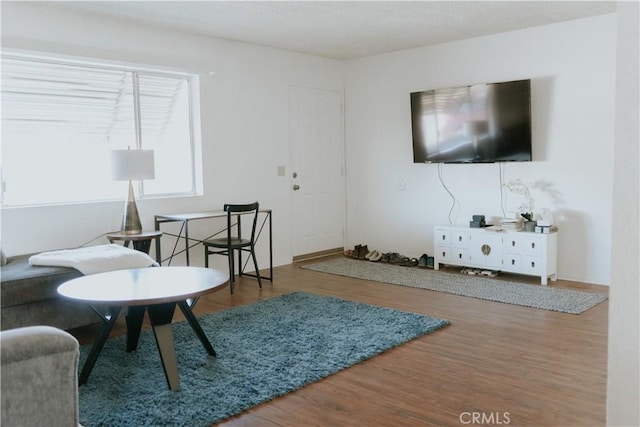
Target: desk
x=141, y=241
x=155, y=290
x=185, y=218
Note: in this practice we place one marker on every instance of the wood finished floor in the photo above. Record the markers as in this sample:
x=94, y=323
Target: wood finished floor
x=511, y=365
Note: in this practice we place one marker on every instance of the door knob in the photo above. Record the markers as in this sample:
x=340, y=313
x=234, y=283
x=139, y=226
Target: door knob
x=296, y=187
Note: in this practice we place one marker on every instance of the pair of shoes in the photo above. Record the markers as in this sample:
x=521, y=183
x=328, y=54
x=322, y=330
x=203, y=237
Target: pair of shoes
x=426, y=261
x=385, y=257
x=348, y=253
x=489, y=273
x=359, y=252
x=374, y=256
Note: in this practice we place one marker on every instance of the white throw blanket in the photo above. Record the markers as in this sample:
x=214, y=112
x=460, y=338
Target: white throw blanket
x=95, y=259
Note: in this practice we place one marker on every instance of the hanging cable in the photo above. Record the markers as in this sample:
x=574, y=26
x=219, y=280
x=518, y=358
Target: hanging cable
x=453, y=198
x=93, y=240
x=501, y=173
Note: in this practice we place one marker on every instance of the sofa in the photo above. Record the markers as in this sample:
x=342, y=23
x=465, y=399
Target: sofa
x=39, y=369
x=28, y=296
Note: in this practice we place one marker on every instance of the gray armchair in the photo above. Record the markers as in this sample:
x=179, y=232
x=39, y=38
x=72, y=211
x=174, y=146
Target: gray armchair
x=39, y=377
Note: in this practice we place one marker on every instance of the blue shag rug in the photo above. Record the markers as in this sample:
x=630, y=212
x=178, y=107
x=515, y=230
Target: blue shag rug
x=264, y=350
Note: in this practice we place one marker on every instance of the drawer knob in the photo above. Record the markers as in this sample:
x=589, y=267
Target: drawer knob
x=533, y=245
x=443, y=254
x=443, y=237
x=513, y=243
x=459, y=238
x=533, y=264
x=513, y=262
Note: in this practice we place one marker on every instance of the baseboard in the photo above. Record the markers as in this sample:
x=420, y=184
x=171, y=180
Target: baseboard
x=319, y=254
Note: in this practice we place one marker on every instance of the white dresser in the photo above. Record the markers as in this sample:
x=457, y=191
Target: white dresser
x=519, y=252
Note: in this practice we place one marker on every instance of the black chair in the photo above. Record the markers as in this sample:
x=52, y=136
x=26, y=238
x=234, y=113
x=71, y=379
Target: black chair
x=228, y=245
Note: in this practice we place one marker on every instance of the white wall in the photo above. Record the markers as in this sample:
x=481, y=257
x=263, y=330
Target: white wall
x=623, y=388
x=244, y=121
x=572, y=68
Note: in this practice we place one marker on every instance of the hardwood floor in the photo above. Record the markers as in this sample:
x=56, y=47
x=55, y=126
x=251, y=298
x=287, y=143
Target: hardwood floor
x=496, y=364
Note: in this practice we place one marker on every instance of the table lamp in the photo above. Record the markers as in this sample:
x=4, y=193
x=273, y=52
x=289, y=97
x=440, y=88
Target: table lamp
x=128, y=165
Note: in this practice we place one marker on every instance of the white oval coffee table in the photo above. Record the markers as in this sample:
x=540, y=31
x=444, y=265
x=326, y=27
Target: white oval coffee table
x=156, y=290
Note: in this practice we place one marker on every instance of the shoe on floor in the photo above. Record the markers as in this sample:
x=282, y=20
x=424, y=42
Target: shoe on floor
x=355, y=253
x=396, y=258
x=377, y=256
x=430, y=262
x=422, y=262
x=404, y=261
x=364, y=250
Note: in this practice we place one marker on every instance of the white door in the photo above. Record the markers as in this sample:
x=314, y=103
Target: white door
x=317, y=163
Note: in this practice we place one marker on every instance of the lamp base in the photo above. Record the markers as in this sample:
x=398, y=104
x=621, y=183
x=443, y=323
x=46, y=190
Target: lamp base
x=130, y=218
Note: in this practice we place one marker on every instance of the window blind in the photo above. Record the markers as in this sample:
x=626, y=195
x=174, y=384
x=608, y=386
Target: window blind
x=71, y=99
x=60, y=119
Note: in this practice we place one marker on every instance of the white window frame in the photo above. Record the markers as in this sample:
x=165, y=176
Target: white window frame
x=195, y=143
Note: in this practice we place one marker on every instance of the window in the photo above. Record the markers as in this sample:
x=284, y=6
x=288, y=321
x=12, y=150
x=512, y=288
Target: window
x=61, y=119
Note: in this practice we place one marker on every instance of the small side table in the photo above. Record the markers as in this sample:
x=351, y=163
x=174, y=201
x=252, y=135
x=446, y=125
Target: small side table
x=141, y=241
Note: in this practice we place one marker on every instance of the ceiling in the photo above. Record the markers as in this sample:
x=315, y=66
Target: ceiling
x=343, y=29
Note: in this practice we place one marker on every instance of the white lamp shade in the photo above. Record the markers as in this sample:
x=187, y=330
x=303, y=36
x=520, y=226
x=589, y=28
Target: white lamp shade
x=132, y=165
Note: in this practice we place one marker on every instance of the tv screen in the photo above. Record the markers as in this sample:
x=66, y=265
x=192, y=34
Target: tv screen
x=480, y=123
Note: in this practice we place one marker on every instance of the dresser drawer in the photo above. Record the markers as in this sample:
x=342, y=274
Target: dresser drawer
x=525, y=243
x=444, y=254
x=442, y=237
x=459, y=255
x=512, y=262
x=532, y=265
x=459, y=238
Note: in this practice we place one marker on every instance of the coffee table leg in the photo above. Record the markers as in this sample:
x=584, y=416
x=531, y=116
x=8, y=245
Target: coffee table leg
x=195, y=325
x=96, y=348
x=160, y=316
x=135, y=316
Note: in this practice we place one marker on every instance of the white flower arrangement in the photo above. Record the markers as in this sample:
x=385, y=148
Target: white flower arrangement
x=516, y=186
x=544, y=215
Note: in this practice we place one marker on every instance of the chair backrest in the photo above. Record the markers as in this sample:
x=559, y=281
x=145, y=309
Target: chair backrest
x=232, y=210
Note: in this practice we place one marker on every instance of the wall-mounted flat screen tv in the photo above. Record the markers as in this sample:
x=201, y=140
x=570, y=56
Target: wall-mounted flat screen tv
x=480, y=123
